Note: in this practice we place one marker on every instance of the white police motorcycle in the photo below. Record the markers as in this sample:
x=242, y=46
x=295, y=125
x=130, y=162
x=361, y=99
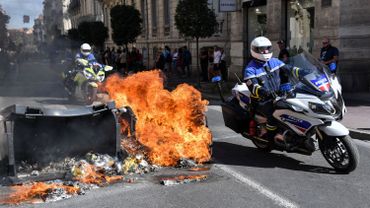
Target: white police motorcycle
x=308, y=116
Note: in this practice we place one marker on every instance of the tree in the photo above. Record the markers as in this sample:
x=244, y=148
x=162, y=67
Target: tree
x=74, y=37
x=4, y=20
x=126, y=24
x=194, y=19
x=92, y=32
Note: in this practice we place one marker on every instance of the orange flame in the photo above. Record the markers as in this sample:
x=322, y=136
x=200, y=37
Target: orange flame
x=35, y=191
x=89, y=175
x=29, y=193
x=170, y=124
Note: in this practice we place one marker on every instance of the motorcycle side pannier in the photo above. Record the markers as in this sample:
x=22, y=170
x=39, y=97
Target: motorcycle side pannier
x=234, y=116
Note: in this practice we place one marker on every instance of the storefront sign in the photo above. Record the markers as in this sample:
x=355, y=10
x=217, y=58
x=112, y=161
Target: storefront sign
x=228, y=6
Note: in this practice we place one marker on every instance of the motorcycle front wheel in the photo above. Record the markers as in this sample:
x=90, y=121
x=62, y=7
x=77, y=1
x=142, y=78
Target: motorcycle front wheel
x=340, y=152
x=91, y=95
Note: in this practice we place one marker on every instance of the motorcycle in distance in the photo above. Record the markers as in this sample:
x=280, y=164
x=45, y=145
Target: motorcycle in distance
x=307, y=116
x=82, y=80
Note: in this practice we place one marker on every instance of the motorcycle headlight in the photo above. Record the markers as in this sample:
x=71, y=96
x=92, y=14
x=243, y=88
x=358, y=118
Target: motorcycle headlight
x=88, y=75
x=321, y=108
x=101, y=77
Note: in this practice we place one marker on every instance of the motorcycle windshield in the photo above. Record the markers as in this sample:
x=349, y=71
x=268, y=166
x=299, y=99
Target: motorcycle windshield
x=315, y=78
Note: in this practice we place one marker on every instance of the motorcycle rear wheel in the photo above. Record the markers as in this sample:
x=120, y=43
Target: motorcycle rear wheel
x=341, y=153
x=264, y=147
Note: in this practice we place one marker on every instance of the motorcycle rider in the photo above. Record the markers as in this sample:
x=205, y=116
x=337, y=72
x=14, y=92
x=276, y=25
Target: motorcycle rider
x=265, y=77
x=85, y=53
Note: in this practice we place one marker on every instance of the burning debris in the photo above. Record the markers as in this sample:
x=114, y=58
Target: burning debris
x=40, y=192
x=183, y=179
x=170, y=125
x=83, y=175
x=170, y=130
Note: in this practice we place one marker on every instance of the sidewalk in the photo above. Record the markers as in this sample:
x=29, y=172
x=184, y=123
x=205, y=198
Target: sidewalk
x=357, y=118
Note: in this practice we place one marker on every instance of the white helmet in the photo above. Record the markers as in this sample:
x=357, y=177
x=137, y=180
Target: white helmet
x=85, y=49
x=261, y=48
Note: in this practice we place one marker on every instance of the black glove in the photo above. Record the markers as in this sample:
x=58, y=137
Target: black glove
x=263, y=93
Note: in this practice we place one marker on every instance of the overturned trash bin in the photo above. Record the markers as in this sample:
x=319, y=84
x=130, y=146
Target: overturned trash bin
x=44, y=135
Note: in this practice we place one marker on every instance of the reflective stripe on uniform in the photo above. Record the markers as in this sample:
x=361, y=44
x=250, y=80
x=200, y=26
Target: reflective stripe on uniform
x=270, y=127
x=276, y=67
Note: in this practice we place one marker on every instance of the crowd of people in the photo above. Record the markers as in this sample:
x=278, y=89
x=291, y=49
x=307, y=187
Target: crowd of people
x=174, y=62
x=122, y=59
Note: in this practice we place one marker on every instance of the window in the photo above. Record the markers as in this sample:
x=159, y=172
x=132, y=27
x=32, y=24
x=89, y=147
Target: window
x=257, y=20
x=167, y=12
x=325, y=3
x=154, y=16
x=301, y=16
x=143, y=16
x=167, y=16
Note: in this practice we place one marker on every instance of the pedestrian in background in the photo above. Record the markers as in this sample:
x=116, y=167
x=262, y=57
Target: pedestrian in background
x=204, y=64
x=174, y=59
x=210, y=63
x=223, y=66
x=180, y=62
x=216, y=61
x=329, y=55
x=284, y=53
x=168, y=59
x=122, y=61
x=187, y=62
x=160, y=61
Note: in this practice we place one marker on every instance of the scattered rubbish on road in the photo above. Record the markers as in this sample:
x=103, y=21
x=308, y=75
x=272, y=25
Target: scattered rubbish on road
x=182, y=179
x=198, y=169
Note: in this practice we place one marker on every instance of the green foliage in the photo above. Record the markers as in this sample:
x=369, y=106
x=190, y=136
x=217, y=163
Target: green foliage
x=92, y=32
x=73, y=34
x=4, y=20
x=126, y=24
x=194, y=19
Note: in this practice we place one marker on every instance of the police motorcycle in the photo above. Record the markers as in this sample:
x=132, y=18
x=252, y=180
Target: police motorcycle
x=82, y=80
x=307, y=114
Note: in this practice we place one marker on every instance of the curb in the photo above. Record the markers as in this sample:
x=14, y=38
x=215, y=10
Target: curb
x=358, y=134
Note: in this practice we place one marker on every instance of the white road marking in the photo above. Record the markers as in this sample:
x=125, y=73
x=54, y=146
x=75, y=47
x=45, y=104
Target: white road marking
x=215, y=107
x=260, y=188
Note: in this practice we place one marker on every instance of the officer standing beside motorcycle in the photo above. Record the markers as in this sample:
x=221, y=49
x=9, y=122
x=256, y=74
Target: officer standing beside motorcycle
x=265, y=77
x=329, y=55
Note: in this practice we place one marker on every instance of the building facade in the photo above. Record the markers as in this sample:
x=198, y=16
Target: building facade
x=301, y=23
x=84, y=11
x=39, y=33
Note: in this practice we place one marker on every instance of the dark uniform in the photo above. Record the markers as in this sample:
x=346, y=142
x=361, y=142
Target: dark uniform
x=263, y=80
x=327, y=53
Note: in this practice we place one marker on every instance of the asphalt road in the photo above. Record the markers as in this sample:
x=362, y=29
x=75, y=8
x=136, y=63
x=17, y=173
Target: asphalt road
x=240, y=175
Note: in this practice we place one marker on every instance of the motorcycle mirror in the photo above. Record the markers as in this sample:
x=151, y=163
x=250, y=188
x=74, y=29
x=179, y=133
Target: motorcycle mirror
x=108, y=68
x=237, y=77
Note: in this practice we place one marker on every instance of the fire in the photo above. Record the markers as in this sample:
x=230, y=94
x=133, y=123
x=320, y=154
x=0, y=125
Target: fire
x=88, y=174
x=170, y=124
x=82, y=172
x=35, y=191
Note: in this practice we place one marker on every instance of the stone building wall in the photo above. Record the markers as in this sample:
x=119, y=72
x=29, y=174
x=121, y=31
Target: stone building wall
x=354, y=34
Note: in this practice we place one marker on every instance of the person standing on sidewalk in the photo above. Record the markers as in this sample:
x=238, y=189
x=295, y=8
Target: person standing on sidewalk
x=204, y=64
x=187, y=62
x=216, y=61
x=329, y=55
x=223, y=67
x=284, y=53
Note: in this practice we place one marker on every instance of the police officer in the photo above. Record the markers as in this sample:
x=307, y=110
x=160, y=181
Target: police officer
x=265, y=77
x=329, y=55
x=85, y=53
